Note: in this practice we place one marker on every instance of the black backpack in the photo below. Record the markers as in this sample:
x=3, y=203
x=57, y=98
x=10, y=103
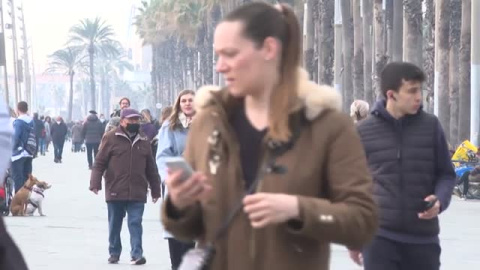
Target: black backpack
x=30, y=143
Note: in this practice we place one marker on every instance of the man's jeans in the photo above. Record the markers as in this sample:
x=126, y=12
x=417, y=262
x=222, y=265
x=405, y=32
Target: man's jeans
x=21, y=168
x=58, y=150
x=92, y=148
x=116, y=213
x=42, y=145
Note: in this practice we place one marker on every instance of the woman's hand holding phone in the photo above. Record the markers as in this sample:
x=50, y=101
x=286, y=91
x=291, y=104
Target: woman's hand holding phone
x=184, y=193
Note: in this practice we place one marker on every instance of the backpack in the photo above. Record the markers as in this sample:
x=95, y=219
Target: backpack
x=30, y=144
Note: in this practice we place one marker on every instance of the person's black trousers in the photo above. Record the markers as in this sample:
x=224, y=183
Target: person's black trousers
x=58, y=150
x=177, y=250
x=383, y=254
x=92, y=150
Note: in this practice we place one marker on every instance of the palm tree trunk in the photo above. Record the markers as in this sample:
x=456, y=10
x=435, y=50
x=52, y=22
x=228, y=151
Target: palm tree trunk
x=326, y=12
x=358, y=86
x=159, y=75
x=442, y=49
x=455, y=25
x=91, y=52
x=429, y=51
x=413, y=16
x=380, y=57
x=367, y=48
x=464, y=84
x=308, y=52
x=347, y=22
x=389, y=27
x=70, y=96
x=338, y=74
x=85, y=96
x=153, y=77
x=397, y=52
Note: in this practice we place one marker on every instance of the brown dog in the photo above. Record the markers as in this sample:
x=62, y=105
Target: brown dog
x=20, y=200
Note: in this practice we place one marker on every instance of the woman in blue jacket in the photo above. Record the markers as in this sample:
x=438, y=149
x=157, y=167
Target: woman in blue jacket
x=171, y=143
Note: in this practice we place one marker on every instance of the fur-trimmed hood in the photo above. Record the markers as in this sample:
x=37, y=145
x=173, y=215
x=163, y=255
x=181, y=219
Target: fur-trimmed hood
x=315, y=98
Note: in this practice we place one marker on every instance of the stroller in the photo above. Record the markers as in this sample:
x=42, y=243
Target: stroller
x=6, y=194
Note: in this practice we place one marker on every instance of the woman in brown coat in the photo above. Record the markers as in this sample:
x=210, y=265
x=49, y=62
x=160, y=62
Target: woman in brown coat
x=273, y=131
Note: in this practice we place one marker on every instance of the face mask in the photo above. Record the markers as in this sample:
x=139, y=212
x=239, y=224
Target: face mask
x=58, y=122
x=133, y=128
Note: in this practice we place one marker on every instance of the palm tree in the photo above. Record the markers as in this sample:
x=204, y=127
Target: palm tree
x=442, y=51
x=347, y=21
x=94, y=36
x=455, y=26
x=412, y=52
x=111, y=68
x=368, y=51
x=66, y=60
x=429, y=53
x=465, y=43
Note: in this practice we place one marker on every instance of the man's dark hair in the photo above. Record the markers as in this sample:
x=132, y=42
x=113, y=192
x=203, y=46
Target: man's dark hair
x=35, y=116
x=22, y=106
x=125, y=98
x=395, y=72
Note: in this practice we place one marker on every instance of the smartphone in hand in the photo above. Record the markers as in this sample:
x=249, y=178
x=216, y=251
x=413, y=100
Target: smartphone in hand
x=427, y=205
x=176, y=164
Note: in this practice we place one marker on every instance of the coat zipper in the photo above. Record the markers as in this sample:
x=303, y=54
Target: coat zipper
x=400, y=164
x=137, y=138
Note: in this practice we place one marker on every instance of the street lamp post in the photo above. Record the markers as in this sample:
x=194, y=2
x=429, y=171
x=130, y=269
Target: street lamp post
x=3, y=61
x=15, y=54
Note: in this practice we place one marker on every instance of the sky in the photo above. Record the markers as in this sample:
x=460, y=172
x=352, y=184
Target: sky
x=48, y=22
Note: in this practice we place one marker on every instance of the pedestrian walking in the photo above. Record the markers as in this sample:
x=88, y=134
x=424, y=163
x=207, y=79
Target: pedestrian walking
x=92, y=133
x=77, y=138
x=171, y=143
x=148, y=125
x=115, y=117
x=126, y=161
x=278, y=138
x=59, y=132
x=39, y=132
x=42, y=141
x=23, y=145
x=10, y=257
x=412, y=171
x=359, y=110
x=48, y=132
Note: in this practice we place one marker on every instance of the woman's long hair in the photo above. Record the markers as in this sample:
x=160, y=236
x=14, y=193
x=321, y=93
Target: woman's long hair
x=166, y=112
x=147, y=116
x=176, y=110
x=262, y=20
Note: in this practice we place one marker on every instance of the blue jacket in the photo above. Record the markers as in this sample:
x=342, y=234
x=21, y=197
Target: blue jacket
x=21, y=127
x=171, y=143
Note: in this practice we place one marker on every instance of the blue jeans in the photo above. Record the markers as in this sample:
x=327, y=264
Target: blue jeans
x=116, y=213
x=21, y=168
x=42, y=145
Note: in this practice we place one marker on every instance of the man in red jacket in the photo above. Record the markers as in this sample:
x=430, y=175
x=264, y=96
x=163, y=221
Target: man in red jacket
x=125, y=156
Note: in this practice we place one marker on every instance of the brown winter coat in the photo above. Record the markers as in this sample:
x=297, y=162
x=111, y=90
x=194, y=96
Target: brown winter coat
x=129, y=166
x=326, y=169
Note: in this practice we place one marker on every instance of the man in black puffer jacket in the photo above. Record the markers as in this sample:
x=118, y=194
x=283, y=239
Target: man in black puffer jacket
x=92, y=133
x=408, y=156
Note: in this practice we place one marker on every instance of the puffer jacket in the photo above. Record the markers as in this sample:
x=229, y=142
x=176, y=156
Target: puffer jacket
x=92, y=129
